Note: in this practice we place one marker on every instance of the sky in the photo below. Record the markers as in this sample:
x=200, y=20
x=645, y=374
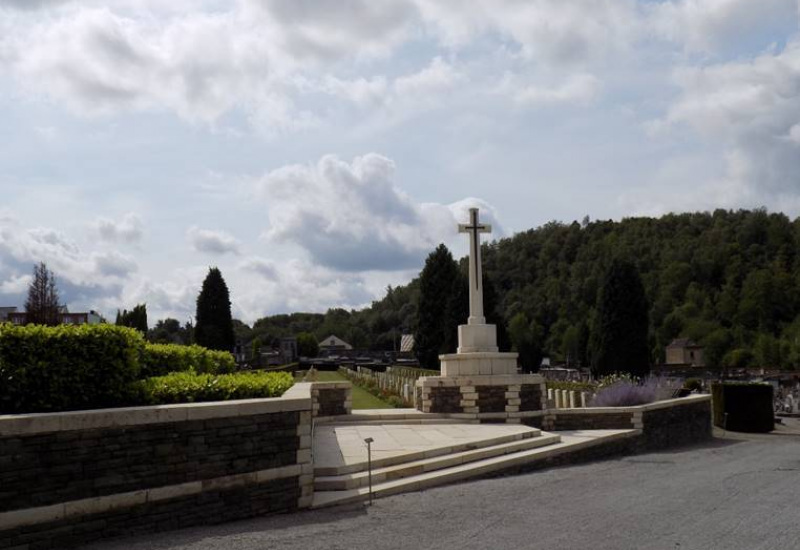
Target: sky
x=317, y=151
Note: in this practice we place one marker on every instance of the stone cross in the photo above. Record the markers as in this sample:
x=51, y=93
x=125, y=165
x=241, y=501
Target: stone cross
x=474, y=228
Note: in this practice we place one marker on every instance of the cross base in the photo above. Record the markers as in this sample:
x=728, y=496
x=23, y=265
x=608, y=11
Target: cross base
x=477, y=338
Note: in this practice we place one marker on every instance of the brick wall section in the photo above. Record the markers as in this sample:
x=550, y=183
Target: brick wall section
x=445, y=399
x=331, y=398
x=280, y=495
x=57, y=467
x=675, y=426
x=69, y=478
x=491, y=398
x=331, y=402
x=592, y=421
x=530, y=396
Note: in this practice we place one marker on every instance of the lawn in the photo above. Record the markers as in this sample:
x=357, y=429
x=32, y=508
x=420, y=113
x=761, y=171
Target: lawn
x=362, y=399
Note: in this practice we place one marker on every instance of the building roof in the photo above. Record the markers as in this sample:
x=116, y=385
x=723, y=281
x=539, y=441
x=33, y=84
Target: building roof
x=334, y=341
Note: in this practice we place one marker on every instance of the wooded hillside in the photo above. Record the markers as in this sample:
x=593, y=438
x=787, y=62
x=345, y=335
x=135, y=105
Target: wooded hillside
x=729, y=280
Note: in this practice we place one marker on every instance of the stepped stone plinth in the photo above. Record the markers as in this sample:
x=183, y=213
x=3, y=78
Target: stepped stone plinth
x=479, y=381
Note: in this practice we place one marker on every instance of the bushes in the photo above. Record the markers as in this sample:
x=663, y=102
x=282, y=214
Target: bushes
x=66, y=367
x=626, y=392
x=747, y=405
x=161, y=359
x=188, y=387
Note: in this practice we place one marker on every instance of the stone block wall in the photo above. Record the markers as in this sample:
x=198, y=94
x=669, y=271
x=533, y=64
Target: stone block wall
x=480, y=397
x=663, y=424
x=69, y=478
x=331, y=398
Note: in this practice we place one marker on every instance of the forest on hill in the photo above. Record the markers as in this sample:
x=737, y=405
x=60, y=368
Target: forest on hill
x=730, y=280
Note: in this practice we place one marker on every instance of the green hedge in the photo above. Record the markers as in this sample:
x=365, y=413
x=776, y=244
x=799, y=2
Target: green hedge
x=66, y=367
x=748, y=406
x=188, y=387
x=161, y=359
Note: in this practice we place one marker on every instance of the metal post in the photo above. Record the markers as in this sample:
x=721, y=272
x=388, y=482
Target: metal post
x=369, y=441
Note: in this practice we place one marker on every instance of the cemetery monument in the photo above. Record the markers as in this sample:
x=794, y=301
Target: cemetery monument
x=478, y=378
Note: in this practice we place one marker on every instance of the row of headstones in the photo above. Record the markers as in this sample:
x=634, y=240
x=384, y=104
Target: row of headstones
x=398, y=385
x=567, y=399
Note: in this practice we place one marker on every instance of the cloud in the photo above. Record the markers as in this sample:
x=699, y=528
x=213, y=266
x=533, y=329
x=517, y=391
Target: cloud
x=212, y=242
x=713, y=25
x=16, y=285
x=114, y=264
x=267, y=59
x=353, y=216
x=127, y=230
x=751, y=108
x=579, y=89
x=262, y=267
x=83, y=278
x=552, y=32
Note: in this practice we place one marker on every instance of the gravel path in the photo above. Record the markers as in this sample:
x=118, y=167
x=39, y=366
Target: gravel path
x=738, y=492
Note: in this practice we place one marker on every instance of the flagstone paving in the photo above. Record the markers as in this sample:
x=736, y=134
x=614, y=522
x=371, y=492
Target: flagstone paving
x=337, y=445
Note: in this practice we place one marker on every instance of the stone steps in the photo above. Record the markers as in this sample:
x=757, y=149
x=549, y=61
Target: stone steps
x=361, y=478
x=569, y=442
x=328, y=471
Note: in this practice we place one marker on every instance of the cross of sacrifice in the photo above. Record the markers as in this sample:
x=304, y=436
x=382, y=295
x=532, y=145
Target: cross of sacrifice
x=474, y=228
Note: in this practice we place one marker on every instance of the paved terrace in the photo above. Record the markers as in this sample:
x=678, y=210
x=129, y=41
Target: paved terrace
x=739, y=492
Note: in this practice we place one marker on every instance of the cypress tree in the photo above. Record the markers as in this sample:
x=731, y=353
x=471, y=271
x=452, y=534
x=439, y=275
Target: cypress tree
x=214, y=324
x=622, y=323
x=436, y=283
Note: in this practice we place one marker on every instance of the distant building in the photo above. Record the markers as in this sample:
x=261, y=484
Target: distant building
x=334, y=343
x=64, y=317
x=5, y=311
x=684, y=351
x=288, y=350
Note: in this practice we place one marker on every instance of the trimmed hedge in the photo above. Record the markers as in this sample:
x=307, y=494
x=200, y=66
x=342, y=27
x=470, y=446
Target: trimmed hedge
x=189, y=387
x=748, y=406
x=66, y=367
x=162, y=359
x=69, y=367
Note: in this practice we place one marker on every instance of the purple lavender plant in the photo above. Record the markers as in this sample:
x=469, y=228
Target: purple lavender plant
x=626, y=393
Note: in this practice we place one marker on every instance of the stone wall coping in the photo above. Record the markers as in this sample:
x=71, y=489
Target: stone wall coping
x=472, y=355
x=664, y=404
x=294, y=399
x=341, y=385
x=480, y=380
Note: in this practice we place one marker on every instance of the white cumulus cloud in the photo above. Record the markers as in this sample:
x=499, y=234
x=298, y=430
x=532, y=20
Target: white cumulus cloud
x=212, y=242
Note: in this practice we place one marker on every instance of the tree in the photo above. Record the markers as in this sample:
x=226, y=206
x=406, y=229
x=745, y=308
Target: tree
x=135, y=318
x=526, y=338
x=622, y=323
x=170, y=331
x=214, y=324
x=436, y=287
x=42, y=305
x=307, y=345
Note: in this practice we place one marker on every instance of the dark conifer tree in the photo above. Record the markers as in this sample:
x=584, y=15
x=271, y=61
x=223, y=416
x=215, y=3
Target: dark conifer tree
x=436, y=288
x=214, y=324
x=42, y=305
x=135, y=318
x=622, y=323
x=456, y=312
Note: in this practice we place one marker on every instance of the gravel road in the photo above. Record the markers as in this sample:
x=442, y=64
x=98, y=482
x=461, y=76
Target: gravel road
x=737, y=492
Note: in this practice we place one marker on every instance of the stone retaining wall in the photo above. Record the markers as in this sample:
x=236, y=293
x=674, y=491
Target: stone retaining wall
x=667, y=423
x=69, y=478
